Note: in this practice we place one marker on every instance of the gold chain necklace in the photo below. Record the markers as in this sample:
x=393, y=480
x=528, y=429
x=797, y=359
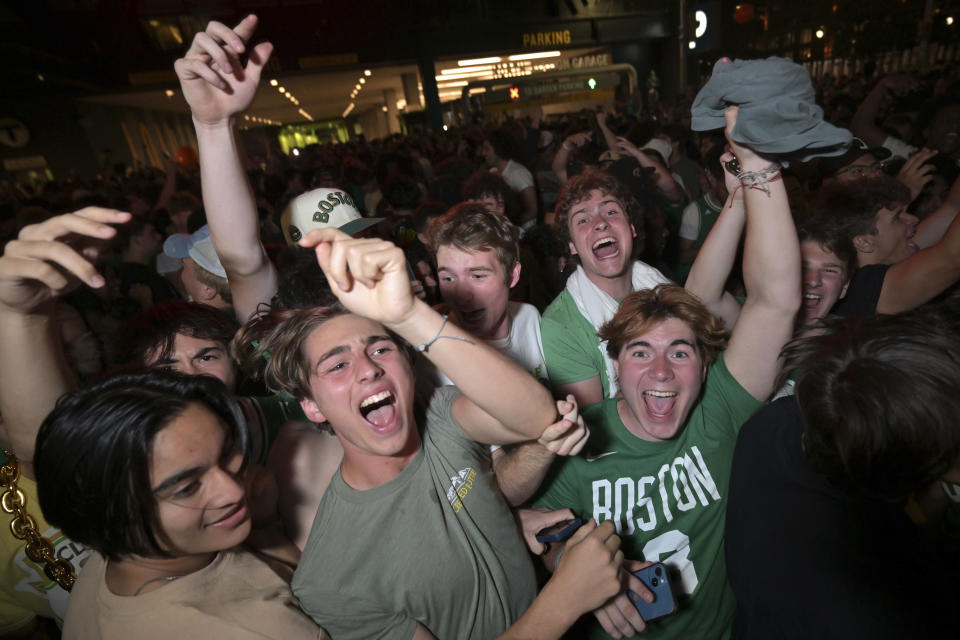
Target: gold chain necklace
x=24, y=527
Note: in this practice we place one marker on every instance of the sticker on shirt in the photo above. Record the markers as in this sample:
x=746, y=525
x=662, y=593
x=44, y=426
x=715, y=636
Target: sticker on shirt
x=460, y=486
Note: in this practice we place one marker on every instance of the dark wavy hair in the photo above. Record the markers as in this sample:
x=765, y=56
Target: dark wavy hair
x=879, y=401
x=150, y=335
x=93, y=453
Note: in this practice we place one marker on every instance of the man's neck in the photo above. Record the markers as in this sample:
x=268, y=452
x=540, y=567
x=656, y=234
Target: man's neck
x=362, y=470
x=501, y=164
x=615, y=287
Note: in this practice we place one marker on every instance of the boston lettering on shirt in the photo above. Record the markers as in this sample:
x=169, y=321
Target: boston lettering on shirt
x=667, y=499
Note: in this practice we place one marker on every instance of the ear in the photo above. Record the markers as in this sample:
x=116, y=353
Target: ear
x=515, y=274
x=843, y=292
x=207, y=293
x=633, y=231
x=616, y=368
x=573, y=249
x=311, y=410
x=865, y=243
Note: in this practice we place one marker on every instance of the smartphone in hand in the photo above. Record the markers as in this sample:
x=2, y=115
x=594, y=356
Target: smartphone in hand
x=658, y=582
x=560, y=531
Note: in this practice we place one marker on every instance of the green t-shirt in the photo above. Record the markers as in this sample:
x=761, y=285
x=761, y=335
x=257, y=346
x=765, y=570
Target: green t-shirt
x=668, y=499
x=571, y=347
x=436, y=545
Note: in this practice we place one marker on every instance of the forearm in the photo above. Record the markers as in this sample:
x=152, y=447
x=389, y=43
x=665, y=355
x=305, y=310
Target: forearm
x=864, y=120
x=608, y=136
x=560, y=160
x=521, y=470
x=771, y=259
x=33, y=375
x=716, y=258
x=549, y=617
x=232, y=215
x=664, y=179
x=491, y=380
x=932, y=229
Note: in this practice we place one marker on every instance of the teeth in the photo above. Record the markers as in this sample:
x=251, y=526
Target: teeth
x=661, y=394
x=811, y=296
x=602, y=241
x=383, y=395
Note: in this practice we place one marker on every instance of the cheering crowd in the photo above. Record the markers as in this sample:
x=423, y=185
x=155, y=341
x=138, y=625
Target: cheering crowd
x=688, y=372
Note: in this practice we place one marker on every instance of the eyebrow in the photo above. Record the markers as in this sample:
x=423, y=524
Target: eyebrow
x=205, y=351
x=602, y=203
x=644, y=343
x=345, y=349
x=177, y=478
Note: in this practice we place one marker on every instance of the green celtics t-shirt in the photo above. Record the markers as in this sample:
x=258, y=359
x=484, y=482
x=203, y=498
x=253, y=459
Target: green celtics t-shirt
x=571, y=347
x=667, y=499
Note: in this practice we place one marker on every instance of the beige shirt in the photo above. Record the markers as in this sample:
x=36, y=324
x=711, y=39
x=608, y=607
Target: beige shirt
x=237, y=596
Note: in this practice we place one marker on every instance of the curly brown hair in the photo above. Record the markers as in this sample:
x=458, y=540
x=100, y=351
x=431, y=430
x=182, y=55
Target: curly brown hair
x=642, y=310
x=578, y=188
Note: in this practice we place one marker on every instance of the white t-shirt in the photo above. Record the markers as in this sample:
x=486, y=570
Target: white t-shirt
x=517, y=176
x=898, y=147
x=522, y=343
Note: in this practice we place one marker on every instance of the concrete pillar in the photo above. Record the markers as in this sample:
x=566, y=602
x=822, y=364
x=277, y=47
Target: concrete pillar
x=390, y=99
x=411, y=91
x=429, y=80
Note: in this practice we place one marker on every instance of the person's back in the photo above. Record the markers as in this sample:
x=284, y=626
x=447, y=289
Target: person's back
x=818, y=543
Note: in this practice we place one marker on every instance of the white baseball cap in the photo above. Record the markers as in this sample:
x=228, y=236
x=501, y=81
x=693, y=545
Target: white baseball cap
x=661, y=146
x=198, y=247
x=319, y=209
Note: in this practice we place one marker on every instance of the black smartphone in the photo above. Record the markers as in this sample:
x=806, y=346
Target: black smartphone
x=560, y=531
x=657, y=581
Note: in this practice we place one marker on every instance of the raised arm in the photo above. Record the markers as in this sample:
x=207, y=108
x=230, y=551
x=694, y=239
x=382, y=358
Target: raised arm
x=501, y=403
x=562, y=157
x=771, y=273
x=35, y=269
x=933, y=228
x=217, y=88
x=713, y=263
x=665, y=182
x=927, y=273
x=864, y=123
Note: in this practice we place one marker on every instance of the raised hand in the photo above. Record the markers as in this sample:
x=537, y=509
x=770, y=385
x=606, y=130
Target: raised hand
x=369, y=276
x=915, y=173
x=215, y=83
x=567, y=436
x=51, y=258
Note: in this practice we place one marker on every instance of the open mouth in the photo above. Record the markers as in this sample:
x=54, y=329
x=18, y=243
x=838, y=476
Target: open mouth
x=811, y=300
x=471, y=317
x=659, y=404
x=605, y=248
x=379, y=409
